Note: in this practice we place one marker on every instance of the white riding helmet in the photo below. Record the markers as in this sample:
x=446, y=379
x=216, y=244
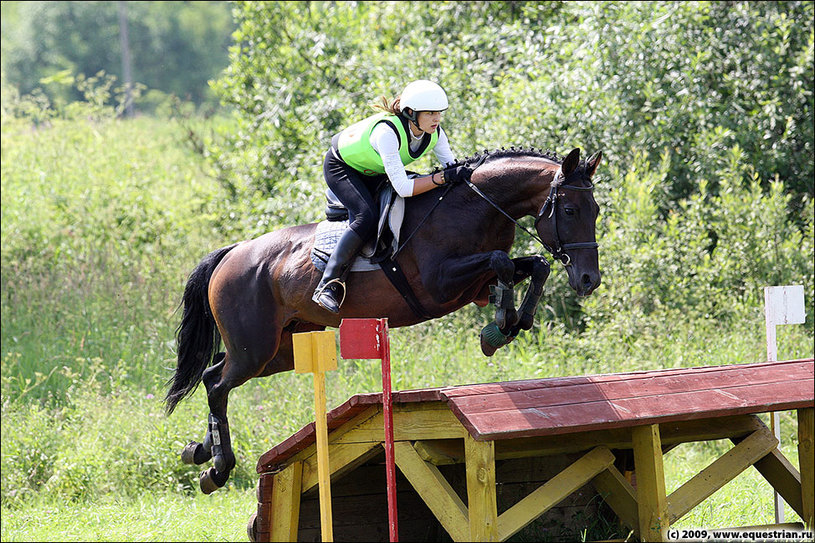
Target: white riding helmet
x=423, y=95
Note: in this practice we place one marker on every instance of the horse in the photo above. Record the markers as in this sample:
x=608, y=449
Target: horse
x=254, y=294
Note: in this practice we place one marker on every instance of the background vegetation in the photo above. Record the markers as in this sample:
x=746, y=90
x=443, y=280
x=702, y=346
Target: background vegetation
x=704, y=112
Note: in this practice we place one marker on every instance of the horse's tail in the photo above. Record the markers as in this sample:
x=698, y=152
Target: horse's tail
x=197, y=336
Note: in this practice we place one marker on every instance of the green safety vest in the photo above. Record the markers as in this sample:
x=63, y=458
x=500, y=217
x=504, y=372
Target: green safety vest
x=354, y=144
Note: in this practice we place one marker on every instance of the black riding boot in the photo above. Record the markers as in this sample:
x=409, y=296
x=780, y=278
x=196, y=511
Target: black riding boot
x=327, y=294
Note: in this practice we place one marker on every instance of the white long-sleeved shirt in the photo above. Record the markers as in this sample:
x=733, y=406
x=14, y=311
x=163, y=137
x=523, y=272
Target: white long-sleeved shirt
x=386, y=143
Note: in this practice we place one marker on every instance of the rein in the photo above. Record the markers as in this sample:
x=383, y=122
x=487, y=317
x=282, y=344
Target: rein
x=559, y=252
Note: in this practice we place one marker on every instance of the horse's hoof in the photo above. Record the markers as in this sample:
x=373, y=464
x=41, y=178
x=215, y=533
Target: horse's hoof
x=195, y=453
x=212, y=480
x=486, y=348
x=252, y=527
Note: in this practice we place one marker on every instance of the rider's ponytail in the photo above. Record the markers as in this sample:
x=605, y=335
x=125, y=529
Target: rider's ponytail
x=391, y=107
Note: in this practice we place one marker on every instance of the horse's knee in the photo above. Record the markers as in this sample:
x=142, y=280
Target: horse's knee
x=503, y=266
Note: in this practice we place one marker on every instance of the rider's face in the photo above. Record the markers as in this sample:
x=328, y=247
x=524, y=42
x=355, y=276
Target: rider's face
x=428, y=121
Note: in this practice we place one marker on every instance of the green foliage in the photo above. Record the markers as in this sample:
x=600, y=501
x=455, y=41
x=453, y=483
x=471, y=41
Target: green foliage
x=176, y=47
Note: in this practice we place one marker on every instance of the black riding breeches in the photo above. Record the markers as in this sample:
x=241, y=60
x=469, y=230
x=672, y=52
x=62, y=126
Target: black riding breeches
x=355, y=191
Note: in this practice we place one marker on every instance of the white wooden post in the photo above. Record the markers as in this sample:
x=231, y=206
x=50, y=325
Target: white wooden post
x=782, y=305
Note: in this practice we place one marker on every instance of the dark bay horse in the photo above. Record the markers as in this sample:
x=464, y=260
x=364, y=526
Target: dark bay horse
x=255, y=294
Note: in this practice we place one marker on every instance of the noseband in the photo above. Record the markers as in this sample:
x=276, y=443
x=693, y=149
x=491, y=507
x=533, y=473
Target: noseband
x=559, y=252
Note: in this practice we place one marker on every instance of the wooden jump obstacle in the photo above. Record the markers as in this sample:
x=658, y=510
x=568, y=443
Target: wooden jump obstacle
x=458, y=449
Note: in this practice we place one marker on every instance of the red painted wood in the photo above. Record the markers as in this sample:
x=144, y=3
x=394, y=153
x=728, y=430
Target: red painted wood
x=656, y=386
x=607, y=414
x=360, y=339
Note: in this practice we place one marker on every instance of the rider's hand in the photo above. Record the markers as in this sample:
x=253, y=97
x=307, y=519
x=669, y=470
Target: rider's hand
x=457, y=174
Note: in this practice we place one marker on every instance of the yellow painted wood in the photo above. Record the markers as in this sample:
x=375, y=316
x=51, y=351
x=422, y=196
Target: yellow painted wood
x=341, y=459
x=323, y=473
x=723, y=470
x=409, y=425
x=619, y=495
x=806, y=463
x=651, y=502
x=441, y=452
x=786, y=480
x=286, y=490
x=337, y=434
x=434, y=489
x=481, y=500
x=553, y=491
x=314, y=351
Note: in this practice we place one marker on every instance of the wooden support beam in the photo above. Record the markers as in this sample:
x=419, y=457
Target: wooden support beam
x=434, y=489
x=651, y=501
x=806, y=462
x=782, y=475
x=554, y=491
x=285, y=507
x=481, y=500
x=723, y=470
x=408, y=425
x=441, y=452
x=619, y=495
x=342, y=459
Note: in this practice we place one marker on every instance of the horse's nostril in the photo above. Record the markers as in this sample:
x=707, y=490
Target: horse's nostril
x=586, y=279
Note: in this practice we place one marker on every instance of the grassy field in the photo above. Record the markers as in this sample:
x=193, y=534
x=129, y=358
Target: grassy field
x=102, y=220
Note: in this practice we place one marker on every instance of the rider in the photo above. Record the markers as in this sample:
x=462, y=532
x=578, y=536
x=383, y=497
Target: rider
x=384, y=143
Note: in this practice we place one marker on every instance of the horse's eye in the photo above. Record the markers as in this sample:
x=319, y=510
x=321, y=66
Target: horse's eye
x=569, y=210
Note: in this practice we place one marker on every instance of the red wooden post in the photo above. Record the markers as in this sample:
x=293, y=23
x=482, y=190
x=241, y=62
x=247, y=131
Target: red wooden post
x=368, y=339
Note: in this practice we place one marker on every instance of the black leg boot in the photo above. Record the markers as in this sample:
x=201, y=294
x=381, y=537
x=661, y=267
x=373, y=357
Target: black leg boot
x=330, y=293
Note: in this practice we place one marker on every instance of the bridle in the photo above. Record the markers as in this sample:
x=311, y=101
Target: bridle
x=559, y=251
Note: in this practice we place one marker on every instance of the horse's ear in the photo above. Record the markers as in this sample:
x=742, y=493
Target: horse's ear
x=570, y=162
x=594, y=161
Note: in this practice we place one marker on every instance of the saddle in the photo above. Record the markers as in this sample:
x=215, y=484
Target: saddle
x=375, y=251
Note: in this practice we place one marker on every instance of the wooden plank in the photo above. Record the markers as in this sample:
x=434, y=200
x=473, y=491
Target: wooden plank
x=285, y=507
x=806, y=463
x=651, y=502
x=636, y=411
x=553, y=492
x=618, y=493
x=723, y=470
x=441, y=452
x=782, y=475
x=342, y=458
x=671, y=433
x=481, y=499
x=659, y=385
x=699, y=373
x=408, y=425
x=302, y=444
x=434, y=489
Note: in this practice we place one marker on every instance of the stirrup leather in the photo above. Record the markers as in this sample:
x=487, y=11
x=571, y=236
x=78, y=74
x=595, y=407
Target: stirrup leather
x=321, y=290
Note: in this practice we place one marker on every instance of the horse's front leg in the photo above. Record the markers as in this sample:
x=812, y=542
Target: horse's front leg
x=455, y=275
x=537, y=268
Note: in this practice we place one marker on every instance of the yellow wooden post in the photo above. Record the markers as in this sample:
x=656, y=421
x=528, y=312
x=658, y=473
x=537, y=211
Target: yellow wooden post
x=651, y=499
x=316, y=352
x=479, y=458
x=806, y=463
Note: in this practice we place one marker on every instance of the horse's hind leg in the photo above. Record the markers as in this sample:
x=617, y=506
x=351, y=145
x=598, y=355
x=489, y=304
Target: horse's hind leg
x=195, y=452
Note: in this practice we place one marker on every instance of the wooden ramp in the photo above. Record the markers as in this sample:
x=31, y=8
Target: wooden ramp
x=461, y=449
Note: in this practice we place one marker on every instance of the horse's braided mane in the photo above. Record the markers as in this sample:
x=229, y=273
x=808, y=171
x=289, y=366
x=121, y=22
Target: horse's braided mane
x=512, y=152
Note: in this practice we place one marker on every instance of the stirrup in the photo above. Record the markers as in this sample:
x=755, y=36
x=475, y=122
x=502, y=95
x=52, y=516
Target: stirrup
x=320, y=290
